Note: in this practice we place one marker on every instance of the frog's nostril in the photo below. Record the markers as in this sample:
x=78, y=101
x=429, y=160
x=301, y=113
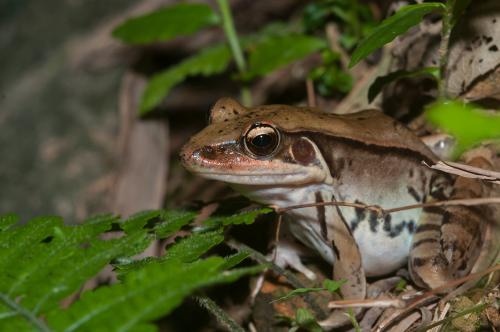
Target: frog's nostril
x=208, y=152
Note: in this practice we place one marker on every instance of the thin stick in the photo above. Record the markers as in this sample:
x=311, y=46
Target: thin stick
x=277, y=235
x=381, y=211
x=311, y=96
x=444, y=50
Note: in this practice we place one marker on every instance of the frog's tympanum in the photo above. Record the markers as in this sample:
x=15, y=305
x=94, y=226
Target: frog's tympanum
x=281, y=156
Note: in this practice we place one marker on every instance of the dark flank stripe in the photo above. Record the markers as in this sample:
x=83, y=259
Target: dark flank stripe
x=372, y=148
x=414, y=194
x=420, y=242
x=434, y=209
x=320, y=211
x=428, y=227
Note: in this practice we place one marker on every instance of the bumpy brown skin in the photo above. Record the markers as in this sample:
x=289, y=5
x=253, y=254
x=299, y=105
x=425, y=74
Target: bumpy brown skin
x=447, y=240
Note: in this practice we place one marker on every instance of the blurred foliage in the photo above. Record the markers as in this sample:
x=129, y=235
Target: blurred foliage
x=272, y=48
x=46, y=261
x=390, y=28
x=167, y=23
x=353, y=18
x=330, y=77
x=467, y=123
x=381, y=81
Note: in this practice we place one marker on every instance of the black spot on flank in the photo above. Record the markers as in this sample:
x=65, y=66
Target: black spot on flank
x=411, y=226
x=414, y=193
x=223, y=107
x=235, y=112
x=493, y=48
x=220, y=131
x=411, y=172
x=373, y=220
x=397, y=230
x=470, y=62
x=468, y=48
x=488, y=39
x=387, y=223
x=226, y=120
x=480, y=60
x=494, y=21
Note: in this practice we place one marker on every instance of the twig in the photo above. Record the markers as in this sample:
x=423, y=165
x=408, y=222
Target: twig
x=381, y=211
x=277, y=235
x=37, y=323
x=368, y=303
x=466, y=171
x=311, y=96
x=222, y=316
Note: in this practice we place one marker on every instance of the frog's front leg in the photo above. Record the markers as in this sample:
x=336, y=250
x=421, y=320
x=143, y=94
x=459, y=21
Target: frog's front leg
x=448, y=239
x=347, y=266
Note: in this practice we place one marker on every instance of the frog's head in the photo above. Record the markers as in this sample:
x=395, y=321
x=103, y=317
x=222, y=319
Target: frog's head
x=259, y=146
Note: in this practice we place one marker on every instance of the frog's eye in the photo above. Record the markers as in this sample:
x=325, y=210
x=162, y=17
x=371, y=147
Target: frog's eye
x=262, y=140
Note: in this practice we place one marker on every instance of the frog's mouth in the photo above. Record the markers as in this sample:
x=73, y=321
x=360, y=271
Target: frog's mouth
x=224, y=163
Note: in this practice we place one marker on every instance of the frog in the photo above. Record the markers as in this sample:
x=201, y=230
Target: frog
x=281, y=155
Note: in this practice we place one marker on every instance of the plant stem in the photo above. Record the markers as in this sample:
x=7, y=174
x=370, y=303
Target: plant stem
x=28, y=315
x=234, y=44
x=444, y=50
x=292, y=279
x=221, y=315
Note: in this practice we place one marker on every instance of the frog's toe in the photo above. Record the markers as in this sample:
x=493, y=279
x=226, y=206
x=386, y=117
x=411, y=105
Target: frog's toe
x=287, y=255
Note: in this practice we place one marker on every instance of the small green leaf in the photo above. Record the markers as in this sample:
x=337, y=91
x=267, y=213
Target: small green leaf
x=298, y=291
x=333, y=285
x=247, y=218
x=392, y=27
x=381, y=81
x=138, y=220
x=211, y=61
x=172, y=221
x=306, y=320
x=467, y=123
x=166, y=23
x=277, y=51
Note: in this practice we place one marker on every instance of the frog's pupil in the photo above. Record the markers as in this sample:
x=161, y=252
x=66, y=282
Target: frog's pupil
x=262, y=140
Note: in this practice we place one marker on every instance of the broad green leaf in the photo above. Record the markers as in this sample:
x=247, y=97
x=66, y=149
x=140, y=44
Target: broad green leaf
x=381, y=81
x=138, y=220
x=247, y=218
x=211, y=61
x=145, y=295
x=172, y=221
x=185, y=250
x=467, y=123
x=277, y=51
x=8, y=220
x=392, y=27
x=166, y=23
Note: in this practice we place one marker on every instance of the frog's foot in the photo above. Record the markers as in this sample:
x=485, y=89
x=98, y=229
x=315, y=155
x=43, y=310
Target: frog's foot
x=286, y=254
